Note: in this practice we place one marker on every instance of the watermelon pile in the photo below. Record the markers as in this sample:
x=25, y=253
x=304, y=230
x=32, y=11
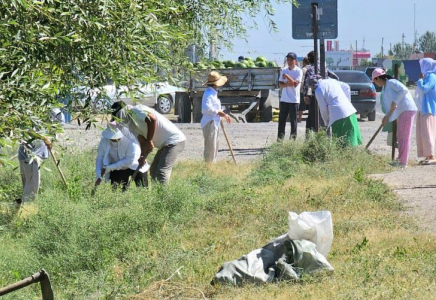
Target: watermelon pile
x=248, y=62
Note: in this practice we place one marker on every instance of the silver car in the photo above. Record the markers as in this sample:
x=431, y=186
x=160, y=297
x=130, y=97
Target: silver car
x=159, y=95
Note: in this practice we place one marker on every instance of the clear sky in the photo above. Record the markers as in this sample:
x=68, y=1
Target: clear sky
x=371, y=20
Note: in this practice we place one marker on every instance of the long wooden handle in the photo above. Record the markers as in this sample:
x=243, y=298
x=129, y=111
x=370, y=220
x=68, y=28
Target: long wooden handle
x=57, y=166
x=394, y=139
x=228, y=142
x=373, y=137
x=135, y=173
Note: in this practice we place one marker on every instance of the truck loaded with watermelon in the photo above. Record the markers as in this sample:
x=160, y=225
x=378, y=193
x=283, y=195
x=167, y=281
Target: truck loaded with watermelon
x=244, y=96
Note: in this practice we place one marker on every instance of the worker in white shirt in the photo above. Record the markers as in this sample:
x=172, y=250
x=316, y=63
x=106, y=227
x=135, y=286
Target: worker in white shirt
x=212, y=113
x=30, y=156
x=337, y=110
x=289, y=81
x=151, y=129
x=117, y=159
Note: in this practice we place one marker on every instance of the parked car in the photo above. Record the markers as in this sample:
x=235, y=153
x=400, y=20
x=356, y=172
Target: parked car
x=368, y=72
x=363, y=94
x=159, y=95
x=98, y=99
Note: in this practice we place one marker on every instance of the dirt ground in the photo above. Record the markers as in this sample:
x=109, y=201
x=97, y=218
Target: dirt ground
x=414, y=185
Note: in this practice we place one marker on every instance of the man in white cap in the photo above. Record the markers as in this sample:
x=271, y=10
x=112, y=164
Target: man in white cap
x=212, y=113
x=30, y=156
x=151, y=129
x=117, y=159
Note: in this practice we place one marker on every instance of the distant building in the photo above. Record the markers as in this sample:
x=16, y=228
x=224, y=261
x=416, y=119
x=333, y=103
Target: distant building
x=359, y=56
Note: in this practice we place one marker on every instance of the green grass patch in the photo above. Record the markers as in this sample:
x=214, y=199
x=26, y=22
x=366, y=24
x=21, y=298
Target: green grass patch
x=126, y=245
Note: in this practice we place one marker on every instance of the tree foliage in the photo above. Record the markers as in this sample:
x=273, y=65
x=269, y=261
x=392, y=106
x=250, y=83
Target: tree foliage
x=427, y=42
x=49, y=46
x=401, y=52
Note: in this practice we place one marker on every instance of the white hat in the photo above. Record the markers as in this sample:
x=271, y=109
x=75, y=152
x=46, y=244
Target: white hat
x=112, y=133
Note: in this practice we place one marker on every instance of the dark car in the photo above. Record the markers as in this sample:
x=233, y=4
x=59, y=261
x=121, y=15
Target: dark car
x=363, y=94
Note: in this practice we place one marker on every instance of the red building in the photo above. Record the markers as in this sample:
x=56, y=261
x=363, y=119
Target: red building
x=359, y=56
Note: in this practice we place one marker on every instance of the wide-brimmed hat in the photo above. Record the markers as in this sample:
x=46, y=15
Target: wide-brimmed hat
x=214, y=78
x=112, y=133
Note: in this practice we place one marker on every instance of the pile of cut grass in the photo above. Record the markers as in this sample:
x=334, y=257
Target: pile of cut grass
x=125, y=245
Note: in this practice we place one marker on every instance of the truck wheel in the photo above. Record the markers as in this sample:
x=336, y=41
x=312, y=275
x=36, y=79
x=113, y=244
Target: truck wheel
x=371, y=116
x=185, y=109
x=266, y=113
x=197, y=115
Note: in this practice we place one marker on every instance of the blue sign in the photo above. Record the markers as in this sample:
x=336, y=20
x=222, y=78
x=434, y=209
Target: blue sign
x=327, y=19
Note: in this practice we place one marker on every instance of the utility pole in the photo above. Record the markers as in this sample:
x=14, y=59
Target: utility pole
x=382, y=54
x=402, y=43
x=414, y=28
x=357, y=60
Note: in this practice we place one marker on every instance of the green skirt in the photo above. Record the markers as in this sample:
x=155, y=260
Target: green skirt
x=347, y=131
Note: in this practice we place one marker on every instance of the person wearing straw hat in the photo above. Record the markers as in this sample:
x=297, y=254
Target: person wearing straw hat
x=151, y=129
x=212, y=113
x=117, y=159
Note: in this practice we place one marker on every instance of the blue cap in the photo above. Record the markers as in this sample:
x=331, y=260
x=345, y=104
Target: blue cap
x=292, y=55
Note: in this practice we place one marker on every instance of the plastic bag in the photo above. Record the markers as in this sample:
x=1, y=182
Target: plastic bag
x=316, y=227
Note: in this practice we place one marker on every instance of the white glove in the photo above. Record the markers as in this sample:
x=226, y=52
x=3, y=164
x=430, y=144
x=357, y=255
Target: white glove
x=109, y=168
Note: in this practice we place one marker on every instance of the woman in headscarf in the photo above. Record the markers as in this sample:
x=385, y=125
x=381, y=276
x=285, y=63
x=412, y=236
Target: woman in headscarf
x=399, y=105
x=426, y=117
x=336, y=110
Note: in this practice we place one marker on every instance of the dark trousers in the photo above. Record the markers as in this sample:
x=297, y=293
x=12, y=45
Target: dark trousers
x=121, y=177
x=310, y=122
x=291, y=110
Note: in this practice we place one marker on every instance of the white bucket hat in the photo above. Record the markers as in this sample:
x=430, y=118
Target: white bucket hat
x=112, y=133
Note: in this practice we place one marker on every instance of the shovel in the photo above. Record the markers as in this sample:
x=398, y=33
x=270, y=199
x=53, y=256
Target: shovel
x=228, y=142
x=57, y=166
x=373, y=137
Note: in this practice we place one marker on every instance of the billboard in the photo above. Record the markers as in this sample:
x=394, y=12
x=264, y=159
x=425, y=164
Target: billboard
x=339, y=59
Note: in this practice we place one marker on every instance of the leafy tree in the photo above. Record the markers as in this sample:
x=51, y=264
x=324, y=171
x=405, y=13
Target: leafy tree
x=49, y=46
x=427, y=42
x=400, y=52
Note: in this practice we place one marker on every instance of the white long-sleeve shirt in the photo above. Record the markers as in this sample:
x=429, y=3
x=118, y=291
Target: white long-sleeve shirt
x=332, y=101
x=395, y=91
x=210, y=106
x=128, y=155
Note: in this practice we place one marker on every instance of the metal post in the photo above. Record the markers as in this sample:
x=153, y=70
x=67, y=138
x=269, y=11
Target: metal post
x=322, y=58
x=315, y=52
x=41, y=276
